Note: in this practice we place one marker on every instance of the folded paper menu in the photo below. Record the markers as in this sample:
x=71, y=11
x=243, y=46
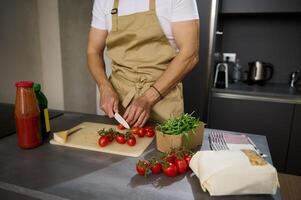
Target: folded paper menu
x=238, y=172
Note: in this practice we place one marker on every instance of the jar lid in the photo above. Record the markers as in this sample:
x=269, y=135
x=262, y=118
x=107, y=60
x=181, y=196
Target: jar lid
x=24, y=84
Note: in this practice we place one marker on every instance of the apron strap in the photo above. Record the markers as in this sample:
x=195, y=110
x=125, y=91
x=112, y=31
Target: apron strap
x=114, y=13
x=152, y=5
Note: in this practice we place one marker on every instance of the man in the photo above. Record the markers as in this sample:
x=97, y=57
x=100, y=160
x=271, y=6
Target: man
x=153, y=44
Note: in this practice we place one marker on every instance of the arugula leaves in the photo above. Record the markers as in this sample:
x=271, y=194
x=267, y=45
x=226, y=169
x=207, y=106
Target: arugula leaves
x=180, y=125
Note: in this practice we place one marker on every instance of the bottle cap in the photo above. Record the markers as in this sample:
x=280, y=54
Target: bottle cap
x=36, y=87
x=27, y=84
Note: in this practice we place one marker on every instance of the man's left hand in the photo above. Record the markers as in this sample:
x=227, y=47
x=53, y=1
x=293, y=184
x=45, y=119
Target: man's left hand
x=138, y=112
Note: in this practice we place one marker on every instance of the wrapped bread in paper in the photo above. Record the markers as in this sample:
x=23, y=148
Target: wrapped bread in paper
x=234, y=173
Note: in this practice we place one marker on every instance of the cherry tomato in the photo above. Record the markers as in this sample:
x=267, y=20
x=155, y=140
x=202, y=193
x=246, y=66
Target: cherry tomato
x=156, y=168
x=110, y=136
x=121, y=127
x=120, y=139
x=131, y=141
x=170, y=170
x=181, y=165
x=170, y=158
x=148, y=128
x=188, y=158
x=150, y=132
x=142, y=168
x=141, y=132
x=134, y=130
x=103, y=141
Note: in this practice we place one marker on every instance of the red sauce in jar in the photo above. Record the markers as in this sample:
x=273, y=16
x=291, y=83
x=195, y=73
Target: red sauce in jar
x=28, y=131
x=27, y=116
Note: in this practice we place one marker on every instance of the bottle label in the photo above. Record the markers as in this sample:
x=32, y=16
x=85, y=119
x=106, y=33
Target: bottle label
x=47, y=122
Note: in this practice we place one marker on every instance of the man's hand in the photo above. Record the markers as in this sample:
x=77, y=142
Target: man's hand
x=109, y=101
x=138, y=112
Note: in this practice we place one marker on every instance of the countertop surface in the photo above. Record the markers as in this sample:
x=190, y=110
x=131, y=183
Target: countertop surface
x=56, y=172
x=273, y=91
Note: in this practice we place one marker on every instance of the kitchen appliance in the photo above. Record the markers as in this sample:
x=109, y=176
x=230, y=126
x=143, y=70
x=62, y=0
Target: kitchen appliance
x=221, y=75
x=86, y=137
x=259, y=72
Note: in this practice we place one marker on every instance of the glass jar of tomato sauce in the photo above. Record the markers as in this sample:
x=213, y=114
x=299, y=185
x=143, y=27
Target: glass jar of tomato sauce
x=27, y=116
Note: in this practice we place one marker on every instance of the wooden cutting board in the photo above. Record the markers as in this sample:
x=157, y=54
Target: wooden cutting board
x=87, y=138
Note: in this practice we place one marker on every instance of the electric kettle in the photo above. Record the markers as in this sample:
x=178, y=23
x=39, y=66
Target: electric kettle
x=260, y=72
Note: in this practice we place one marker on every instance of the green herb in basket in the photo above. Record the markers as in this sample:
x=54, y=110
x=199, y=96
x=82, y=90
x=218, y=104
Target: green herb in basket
x=180, y=125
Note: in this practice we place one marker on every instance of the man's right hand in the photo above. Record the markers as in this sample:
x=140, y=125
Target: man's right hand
x=109, y=101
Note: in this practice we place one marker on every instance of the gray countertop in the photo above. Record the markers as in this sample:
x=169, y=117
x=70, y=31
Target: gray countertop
x=270, y=92
x=56, y=172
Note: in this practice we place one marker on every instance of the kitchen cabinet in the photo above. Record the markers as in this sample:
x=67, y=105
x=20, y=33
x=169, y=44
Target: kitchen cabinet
x=293, y=159
x=259, y=6
x=259, y=117
x=7, y=122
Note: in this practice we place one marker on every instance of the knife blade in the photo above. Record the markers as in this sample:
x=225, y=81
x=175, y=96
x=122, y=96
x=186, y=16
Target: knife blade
x=122, y=121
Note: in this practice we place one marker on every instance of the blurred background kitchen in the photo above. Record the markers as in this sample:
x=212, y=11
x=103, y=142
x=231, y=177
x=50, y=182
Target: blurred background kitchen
x=45, y=41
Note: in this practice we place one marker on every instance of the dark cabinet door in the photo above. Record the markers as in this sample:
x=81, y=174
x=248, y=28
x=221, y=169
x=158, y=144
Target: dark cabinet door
x=257, y=117
x=7, y=119
x=261, y=6
x=294, y=151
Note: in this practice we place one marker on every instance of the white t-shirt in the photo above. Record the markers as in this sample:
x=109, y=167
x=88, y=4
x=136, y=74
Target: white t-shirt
x=168, y=11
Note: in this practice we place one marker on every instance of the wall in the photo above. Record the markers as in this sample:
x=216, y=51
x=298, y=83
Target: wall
x=273, y=38
x=79, y=88
x=46, y=41
x=51, y=58
x=20, y=56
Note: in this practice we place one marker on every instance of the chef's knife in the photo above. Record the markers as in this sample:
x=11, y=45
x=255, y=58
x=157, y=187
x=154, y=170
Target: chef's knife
x=121, y=120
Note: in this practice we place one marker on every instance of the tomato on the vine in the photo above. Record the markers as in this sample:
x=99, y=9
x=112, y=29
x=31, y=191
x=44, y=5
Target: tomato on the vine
x=188, y=158
x=134, y=130
x=103, y=141
x=110, y=136
x=120, y=139
x=142, y=168
x=148, y=128
x=181, y=165
x=131, y=141
x=121, y=127
x=149, y=132
x=141, y=132
x=170, y=169
x=170, y=158
x=155, y=166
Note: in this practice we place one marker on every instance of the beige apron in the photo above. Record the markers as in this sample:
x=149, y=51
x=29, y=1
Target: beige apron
x=140, y=53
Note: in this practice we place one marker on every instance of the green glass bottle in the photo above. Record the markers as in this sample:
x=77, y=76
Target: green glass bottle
x=44, y=115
